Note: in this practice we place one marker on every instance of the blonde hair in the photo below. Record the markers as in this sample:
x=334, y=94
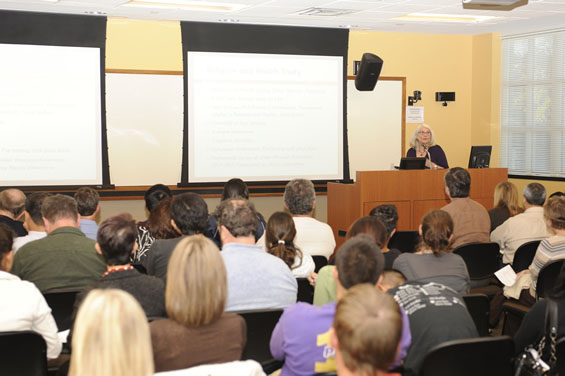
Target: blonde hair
x=414, y=139
x=196, y=282
x=506, y=196
x=111, y=337
x=554, y=211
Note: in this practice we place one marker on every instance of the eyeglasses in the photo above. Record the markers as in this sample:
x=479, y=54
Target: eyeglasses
x=425, y=132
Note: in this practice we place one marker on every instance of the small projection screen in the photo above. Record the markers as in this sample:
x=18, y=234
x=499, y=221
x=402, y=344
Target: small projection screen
x=264, y=103
x=51, y=100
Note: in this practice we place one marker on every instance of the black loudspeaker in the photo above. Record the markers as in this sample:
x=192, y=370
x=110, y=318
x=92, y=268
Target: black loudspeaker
x=369, y=72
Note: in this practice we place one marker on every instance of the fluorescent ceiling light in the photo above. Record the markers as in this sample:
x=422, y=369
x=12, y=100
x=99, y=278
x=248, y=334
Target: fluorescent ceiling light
x=443, y=17
x=186, y=4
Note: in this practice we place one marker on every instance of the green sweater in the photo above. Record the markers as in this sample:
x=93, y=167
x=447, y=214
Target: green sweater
x=65, y=259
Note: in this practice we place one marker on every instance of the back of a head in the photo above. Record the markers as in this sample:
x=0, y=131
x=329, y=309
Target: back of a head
x=235, y=188
x=156, y=194
x=458, y=181
x=238, y=217
x=437, y=228
x=87, y=201
x=368, y=326
x=33, y=205
x=13, y=201
x=554, y=211
x=388, y=216
x=6, y=240
x=393, y=278
x=534, y=193
x=58, y=207
x=299, y=196
x=279, y=237
x=506, y=196
x=190, y=213
x=160, y=220
x=359, y=260
x=369, y=225
x=196, y=289
x=116, y=238
x=111, y=337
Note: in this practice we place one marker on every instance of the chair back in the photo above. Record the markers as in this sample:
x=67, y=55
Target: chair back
x=481, y=259
x=479, y=308
x=525, y=255
x=305, y=291
x=405, y=241
x=320, y=262
x=547, y=278
x=260, y=325
x=23, y=353
x=485, y=356
x=62, y=304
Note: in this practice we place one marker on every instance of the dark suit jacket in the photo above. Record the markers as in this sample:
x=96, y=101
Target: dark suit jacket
x=157, y=257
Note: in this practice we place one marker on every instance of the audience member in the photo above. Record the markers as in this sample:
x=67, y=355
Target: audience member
x=505, y=204
x=279, y=237
x=116, y=241
x=33, y=220
x=197, y=330
x=360, y=314
x=88, y=207
x=388, y=215
x=522, y=228
x=22, y=306
x=154, y=195
x=532, y=328
x=66, y=258
x=312, y=236
x=12, y=202
x=436, y=314
x=234, y=188
x=158, y=227
x=301, y=337
x=557, y=193
x=189, y=216
x=434, y=262
x=256, y=279
x=325, y=286
x=111, y=337
x=471, y=219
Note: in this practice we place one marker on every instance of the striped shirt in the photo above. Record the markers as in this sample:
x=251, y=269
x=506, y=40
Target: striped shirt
x=550, y=249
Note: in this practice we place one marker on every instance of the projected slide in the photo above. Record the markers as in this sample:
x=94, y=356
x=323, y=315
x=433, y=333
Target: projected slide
x=50, y=115
x=264, y=117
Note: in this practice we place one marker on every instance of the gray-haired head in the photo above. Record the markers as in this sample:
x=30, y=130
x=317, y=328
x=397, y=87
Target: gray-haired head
x=299, y=196
x=534, y=193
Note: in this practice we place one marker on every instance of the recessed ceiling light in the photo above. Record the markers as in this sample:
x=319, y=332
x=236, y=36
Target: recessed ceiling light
x=96, y=13
x=228, y=20
x=443, y=17
x=186, y=4
x=349, y=26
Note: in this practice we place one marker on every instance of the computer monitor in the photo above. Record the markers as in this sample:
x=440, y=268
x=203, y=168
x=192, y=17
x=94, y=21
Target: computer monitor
x=480, y=156
x=412, y=163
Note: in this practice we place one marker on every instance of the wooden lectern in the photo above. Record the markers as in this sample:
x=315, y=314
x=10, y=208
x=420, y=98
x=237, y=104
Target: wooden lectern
x=414, y=192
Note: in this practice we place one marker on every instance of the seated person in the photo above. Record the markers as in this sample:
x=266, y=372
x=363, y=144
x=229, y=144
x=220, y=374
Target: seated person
x=234, y=188
x=158, y=227
x=505, y=204
x=89, y=209
x=388, y=215
x=111, y=336
x=65, y=258
x=423, y=146
x=256, y=279
x=325, y=285
x=189, y=216
x=532, y=327
x=12, y=203
x=33, y=220
x=116, y=242
x=362, y=312
x=433, y=261
x=301, y=337
x=198, y=331
x=279, y=237
x=22, y=306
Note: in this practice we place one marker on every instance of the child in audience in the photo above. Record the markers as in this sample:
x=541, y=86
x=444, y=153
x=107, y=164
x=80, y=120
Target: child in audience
x=434, y=262
x=279, y=241
x=111, y=337
x=197, y=330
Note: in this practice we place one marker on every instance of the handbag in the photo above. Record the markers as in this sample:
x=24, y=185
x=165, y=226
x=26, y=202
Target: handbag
x=530, y=362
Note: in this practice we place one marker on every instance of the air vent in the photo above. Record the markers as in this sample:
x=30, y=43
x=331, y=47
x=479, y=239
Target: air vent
x=493, y=4
x=326, y=12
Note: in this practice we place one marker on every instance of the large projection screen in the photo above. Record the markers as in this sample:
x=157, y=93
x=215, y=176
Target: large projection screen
x=264, y=117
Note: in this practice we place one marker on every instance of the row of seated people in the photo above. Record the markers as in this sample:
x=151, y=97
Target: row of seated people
x=236, y=220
